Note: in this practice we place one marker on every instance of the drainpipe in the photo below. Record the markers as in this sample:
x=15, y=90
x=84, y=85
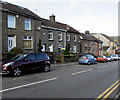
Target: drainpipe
x=65, y=40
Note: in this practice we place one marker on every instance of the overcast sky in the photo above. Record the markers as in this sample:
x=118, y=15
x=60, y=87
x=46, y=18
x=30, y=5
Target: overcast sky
x=97, y=16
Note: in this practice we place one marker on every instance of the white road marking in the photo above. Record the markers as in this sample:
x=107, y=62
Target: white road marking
x=82, y=72
x=103, y=66
x=17, y=87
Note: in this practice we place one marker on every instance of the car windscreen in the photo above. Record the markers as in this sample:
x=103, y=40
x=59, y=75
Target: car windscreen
x=108, y=56
x=100, y=57
x=19, y=56
x=83, y=57
x=113, y=55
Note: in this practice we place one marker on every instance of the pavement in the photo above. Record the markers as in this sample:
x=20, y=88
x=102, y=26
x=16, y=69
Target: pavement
x=64, y=64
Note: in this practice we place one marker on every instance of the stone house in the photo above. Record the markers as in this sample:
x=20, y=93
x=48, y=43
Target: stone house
x=109, y=45
x=73, y=40
x=91, y=45
x=20, y=27
x=52, y=36
x=62, y=35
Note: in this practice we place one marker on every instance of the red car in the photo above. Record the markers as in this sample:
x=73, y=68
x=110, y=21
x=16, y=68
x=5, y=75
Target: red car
x=102, y=59
x=26, y=62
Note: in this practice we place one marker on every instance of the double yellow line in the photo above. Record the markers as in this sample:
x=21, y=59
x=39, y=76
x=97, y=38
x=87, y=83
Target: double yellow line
x=108, y=91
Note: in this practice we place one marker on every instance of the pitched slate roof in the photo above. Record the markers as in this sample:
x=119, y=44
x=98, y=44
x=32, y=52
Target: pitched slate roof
x=68, y=28
x=92, y=38
x=110, y=39
x=85, y=36
x=8, y=7
x=49, y=23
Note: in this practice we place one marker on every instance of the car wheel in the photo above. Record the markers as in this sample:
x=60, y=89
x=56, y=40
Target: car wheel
x=16, y=72
x=89, y=63
x=96, y=62
x=47, y=68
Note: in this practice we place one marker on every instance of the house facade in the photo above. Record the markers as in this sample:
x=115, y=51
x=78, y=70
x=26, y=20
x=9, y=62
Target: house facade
x=91, y=45
x=20, y=27
x=73, y=40
x=52, y=36
x=109, y=46
x=56, y=36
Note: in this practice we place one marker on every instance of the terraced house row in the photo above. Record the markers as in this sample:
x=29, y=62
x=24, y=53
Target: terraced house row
x=22, y=28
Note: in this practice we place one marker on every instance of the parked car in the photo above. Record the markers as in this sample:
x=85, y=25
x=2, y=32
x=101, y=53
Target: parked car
x=87, y=59
x=26, y=62
x=109, y=58
x=115, y=57
x=102, y=59
x=119, y=57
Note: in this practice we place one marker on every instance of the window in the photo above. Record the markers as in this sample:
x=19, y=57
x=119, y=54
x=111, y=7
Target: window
x=27, y=42
x=51, y=47
x=75, y=38
x=74, y=49
x=44, y=47
x=11, y=21
x=50, y=35
x=60, y=36
x=39, y=56
x=68, y=37
x=27, y=24
x=44, y=34
x=31, y=57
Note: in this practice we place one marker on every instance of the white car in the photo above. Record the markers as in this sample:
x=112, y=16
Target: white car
x=115, y=57
x=109, y=58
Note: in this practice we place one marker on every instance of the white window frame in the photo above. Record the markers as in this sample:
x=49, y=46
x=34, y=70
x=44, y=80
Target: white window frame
x=60, y=35
x=44, y=47
x=50, y=35
x=75, y=38
x=68, y=37
x=11, y=20
x=74, y=49
x=81, y=37
x=27, y=21
x=27, y=38
x=50, y=48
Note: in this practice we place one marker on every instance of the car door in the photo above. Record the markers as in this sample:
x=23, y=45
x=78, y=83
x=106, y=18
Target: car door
x=40, y=60
x=93, y=59
x=29, y=62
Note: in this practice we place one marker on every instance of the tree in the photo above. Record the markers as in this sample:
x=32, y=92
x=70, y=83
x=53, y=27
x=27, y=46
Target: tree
x=67, y=50
x=14, y=51
x=40, y=47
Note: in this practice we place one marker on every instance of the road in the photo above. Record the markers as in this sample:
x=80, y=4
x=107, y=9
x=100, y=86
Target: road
x=63, y=81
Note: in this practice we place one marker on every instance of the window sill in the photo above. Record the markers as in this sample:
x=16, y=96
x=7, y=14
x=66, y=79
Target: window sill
x=27, y=30
x=50, y=39
x=12, y=28
x=60, y=40
x=28, y=48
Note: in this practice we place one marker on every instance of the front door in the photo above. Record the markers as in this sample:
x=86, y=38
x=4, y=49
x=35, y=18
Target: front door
x=10, y=43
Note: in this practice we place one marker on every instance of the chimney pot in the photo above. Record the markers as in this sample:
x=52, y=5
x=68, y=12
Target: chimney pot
x=87, y=32
x=52, y=18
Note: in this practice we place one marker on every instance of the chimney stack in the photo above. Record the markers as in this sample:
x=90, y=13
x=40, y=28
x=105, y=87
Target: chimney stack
x=52, y=18
x=87, y=32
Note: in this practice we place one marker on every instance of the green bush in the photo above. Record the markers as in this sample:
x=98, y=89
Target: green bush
x=14, y=51
x=40, y=47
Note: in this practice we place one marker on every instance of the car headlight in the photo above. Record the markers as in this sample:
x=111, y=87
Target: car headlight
x=8, y=64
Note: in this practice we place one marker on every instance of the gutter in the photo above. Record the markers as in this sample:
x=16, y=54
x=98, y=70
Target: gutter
x=53, y=28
